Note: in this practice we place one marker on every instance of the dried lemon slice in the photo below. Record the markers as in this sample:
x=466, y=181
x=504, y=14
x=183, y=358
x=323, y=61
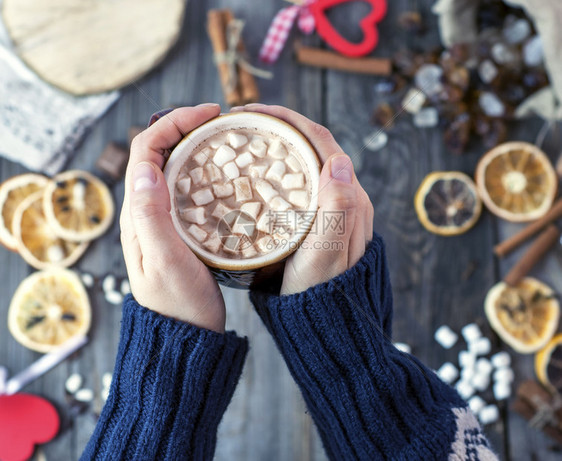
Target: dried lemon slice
x=12, y=193
x=36, y=241
x=516, y=181
x=447, y=203
x=525, y=316
x=78, y=206
x=548, y=364
x=49, y=308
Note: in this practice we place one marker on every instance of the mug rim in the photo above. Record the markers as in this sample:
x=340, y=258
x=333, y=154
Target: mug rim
x=185, y=148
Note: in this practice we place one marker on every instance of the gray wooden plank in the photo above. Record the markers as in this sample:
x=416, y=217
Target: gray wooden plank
x=526, y=443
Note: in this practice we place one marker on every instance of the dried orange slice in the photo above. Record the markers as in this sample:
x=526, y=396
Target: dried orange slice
x=525, y=316
x=447, y=203
x=516, y=181
x=78, y=206
x=548, y=364
x=49, y=308
x=12, y=193
x=36, y=241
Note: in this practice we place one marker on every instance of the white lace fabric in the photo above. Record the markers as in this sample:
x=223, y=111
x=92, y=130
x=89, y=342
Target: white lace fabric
x=40, y=125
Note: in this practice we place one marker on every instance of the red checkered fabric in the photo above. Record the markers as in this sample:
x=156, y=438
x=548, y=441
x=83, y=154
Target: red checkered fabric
x=281, y=27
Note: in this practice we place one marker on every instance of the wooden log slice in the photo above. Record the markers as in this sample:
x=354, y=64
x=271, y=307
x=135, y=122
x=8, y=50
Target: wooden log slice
x=91, y=46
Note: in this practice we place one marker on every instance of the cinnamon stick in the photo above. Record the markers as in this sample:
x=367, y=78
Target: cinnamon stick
x=510, y=244
x=544, y=242
x=325, y=59
x=528, y=412
x=247, y=85
x=216, y=28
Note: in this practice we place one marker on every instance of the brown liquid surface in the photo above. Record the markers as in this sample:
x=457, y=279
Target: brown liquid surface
x=220, y=188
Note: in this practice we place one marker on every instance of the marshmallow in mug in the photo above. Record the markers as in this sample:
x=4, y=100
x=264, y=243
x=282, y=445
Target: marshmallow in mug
x=241, y=192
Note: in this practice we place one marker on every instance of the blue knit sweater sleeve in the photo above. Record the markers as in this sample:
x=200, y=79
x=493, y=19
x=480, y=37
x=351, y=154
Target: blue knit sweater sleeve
x=171, y=386
x=368, y=399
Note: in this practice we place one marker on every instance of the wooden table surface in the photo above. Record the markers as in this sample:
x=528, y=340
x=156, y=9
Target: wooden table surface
x=267, y=418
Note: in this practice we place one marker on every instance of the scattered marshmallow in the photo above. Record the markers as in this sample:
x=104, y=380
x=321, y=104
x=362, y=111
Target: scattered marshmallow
x=467, y=373
x=448, y=372
x=223, y=190
x=244, y=159
x=502, y=390
x=403, y=347
x=87, y=279
x=467, y=359
x=195, y=215
x=293, y=181
x=251, y=208
x=114, y=297
x=184, y=185
x=236, y=140
x=471, y=332
x=104, y=394
x=266, y=190
x=258, y=147
x=504, y=375
x=501, y=359
x=202, y=196
x=73, y=383
x=106, y=379
x=276, y=171
x=231, y=170
x=480, y=381
x=483, y=365
x=243, y=189
x=489, y=414
x=125, y=287
x=55, y=253
x=413, y=101
x=197, y=233
x=84, y=395
x=277, y=150
x=198, y=175
x=476, y=404
x=445, y=337
x=481, y=346
x=223, y=155
x=108, y=283
x=465, y=389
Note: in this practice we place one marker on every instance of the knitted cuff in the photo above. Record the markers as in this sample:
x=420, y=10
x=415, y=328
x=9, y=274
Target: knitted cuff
x=171, y=386
x=368, y=399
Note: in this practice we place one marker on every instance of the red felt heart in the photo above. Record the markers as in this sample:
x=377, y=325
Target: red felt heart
x=25, y=420
x=368, y=26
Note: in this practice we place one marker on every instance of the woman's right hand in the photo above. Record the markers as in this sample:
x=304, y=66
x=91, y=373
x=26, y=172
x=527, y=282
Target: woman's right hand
x=344, y=223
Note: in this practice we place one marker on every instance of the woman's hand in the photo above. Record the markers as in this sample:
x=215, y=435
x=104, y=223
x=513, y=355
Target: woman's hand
x=165, y=275
x=334, y=246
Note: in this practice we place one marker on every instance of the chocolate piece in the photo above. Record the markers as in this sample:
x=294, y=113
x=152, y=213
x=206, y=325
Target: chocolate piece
x=134, y=131
x=113, y=161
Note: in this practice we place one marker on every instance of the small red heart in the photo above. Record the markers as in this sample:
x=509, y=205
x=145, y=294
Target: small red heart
x=368, y=26
x=25, y=421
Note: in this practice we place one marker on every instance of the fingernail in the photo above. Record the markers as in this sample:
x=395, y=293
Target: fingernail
x=236, y=108
x=342, y=169
x=208, y=104
x=254, y=105
x=158, y=115
x=144, y=177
